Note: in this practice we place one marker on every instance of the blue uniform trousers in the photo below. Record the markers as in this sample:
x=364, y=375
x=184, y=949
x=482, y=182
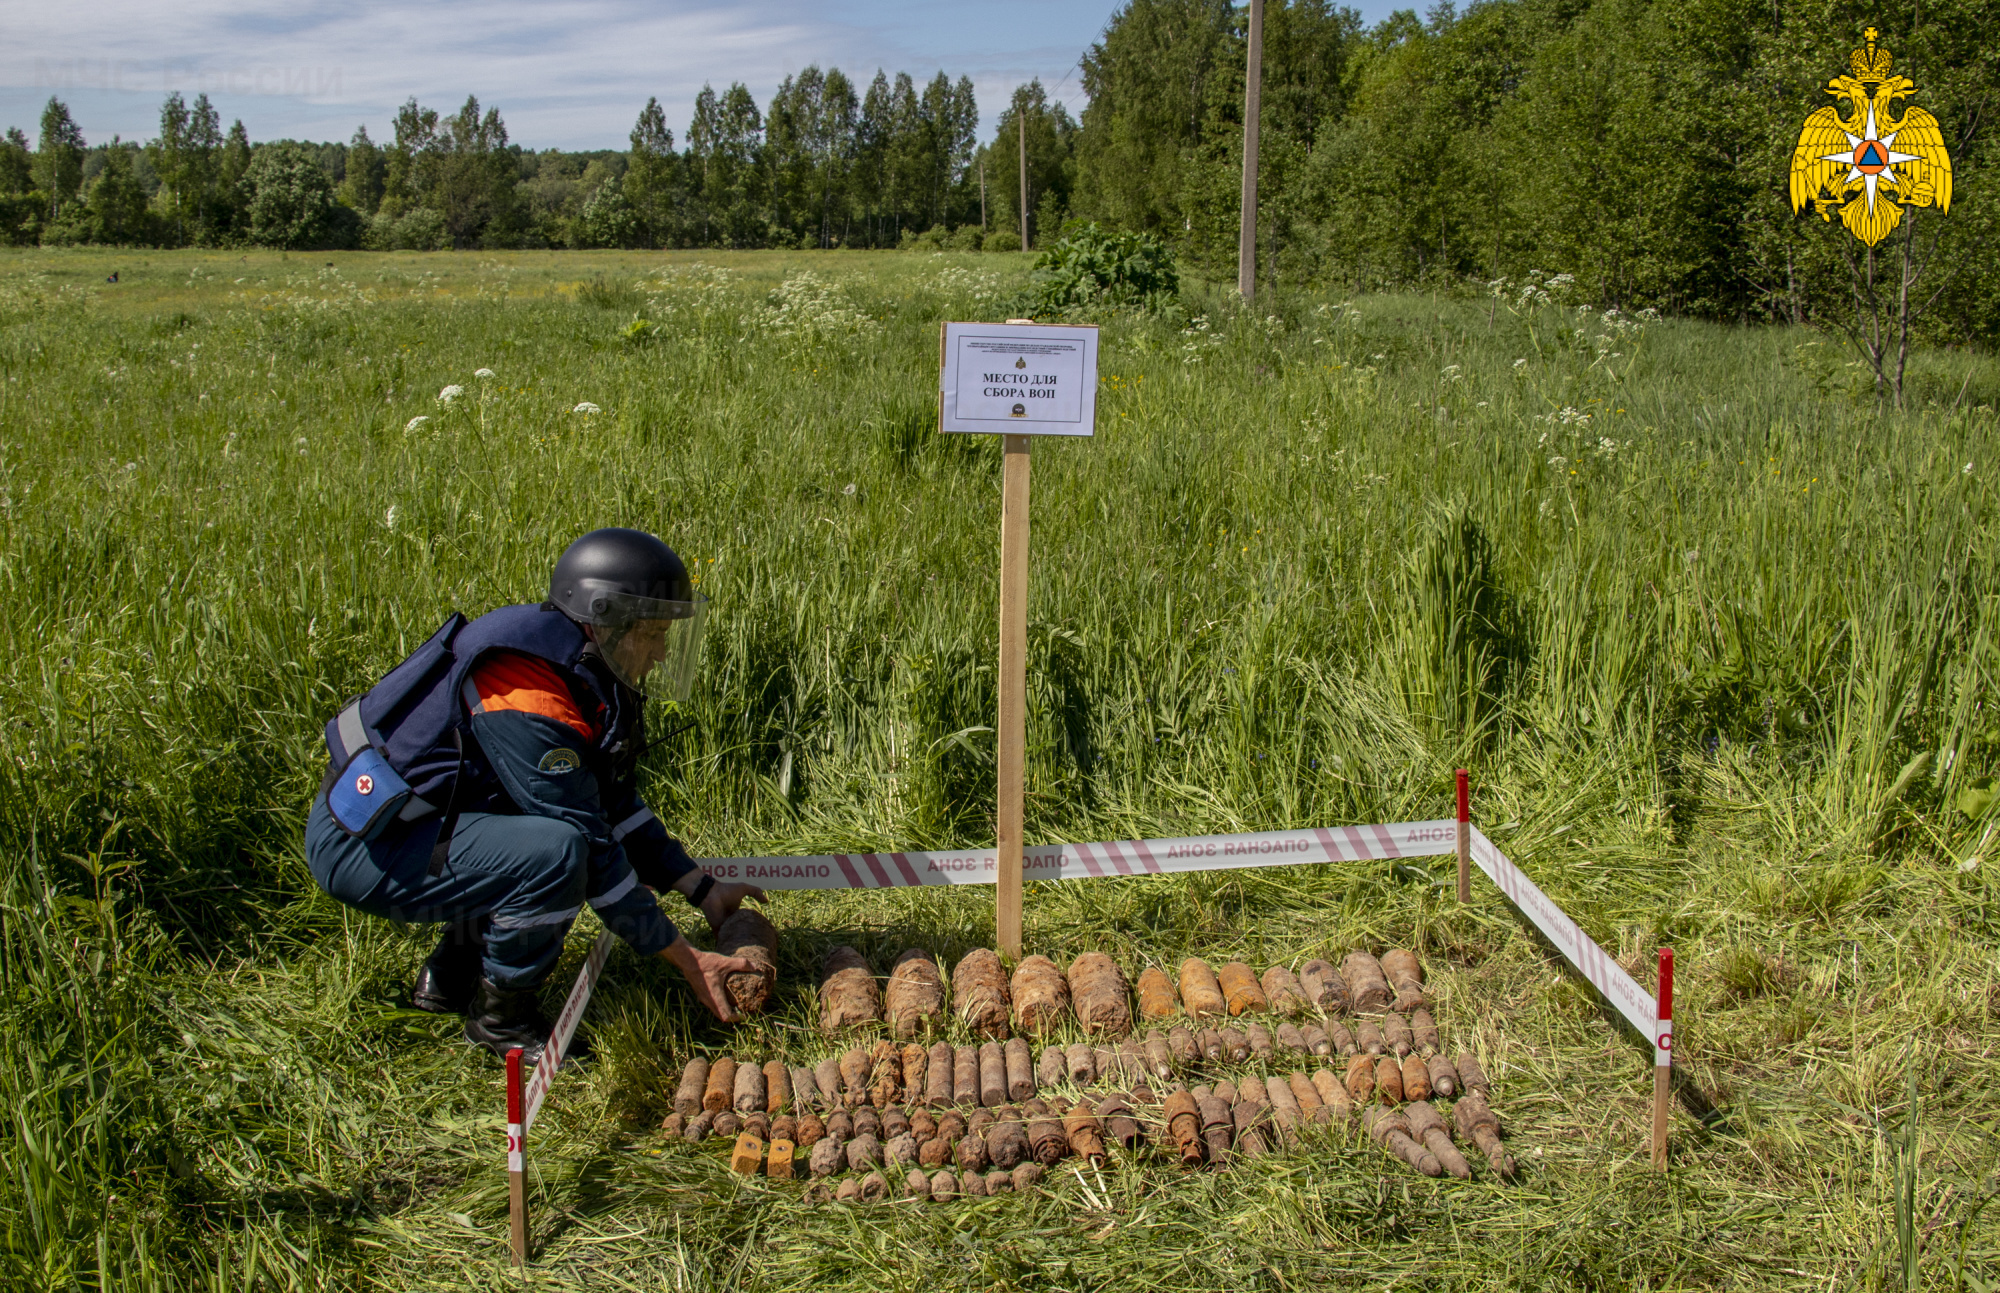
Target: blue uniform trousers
x=529, y=873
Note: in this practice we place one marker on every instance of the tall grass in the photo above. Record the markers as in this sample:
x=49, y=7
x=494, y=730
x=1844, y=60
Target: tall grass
x=1715, y=631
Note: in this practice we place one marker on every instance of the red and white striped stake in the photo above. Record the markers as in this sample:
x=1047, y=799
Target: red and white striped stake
x=1663, y=1057
x=517, y=1179
x=1464, y=836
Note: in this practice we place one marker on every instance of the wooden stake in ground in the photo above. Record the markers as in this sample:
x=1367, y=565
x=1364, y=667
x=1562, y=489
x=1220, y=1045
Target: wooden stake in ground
x=1013, y=716
x=1663, y=1054
x=1253, y=103
x=1464, y=837
x=517, y=1176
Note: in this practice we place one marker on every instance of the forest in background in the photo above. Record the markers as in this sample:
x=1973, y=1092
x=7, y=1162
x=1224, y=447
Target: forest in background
x=1640, y=146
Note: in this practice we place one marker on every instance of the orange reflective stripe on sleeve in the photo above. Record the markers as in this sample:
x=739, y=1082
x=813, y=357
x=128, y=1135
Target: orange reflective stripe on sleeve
x=523, y=684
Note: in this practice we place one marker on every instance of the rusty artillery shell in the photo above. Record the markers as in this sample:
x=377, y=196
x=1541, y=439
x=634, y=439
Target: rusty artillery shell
x=1283, y=991
x=694, y=1081
x=1133, y=1065
x=849, y=1191
x=840, y=1125
x=1121, y=1125
x=1225, y=1091
x=1396, y=1032
x=1020, y=1069
x=785, y=1126
x=1343, y=1041
x=1240, y=989
x=1235, y=1045
x=1471, y=1076
x=1052, y=1068
x=698, y=1127
x=674, y=1124
x=916, y=1185
x=749, y=1095
x=916, y=1070
x=1431, y=1130
x=1367, y=986
x=728, y=1123
x=777, y=1087
x=1201, y=993
x=1100, y=995
x=922, y=1125
x=1444, y=1079
x=999, y=1182
x=900, y=1151
x=1391, y=1130
x=1416, y=1078
x=1424, y=1030
x=1389, y=1080
x=1183, y=1118
x=811, y=1131
x=721, y=1085
x=1159, y=1056
x=863, y=1152
x=1479, y=1124
x=1261, y=1044
x=826, y=1080
x=758, y=1124
x=805, y=1091
x=979, y=993
x=1361, y=1079
x=1336, y=1096
x=1040, y=994
x=1218, y=1129
x=1045, y=1133
x=827, y=1157
x=937, y=1075
x=1316, y=1040
x=867, y=1122
x=1368, y=1036
x=1311, y=1107
x=1180, y=1040
x=874, y=1188
x=1007, y=1139
x=972, y=1184
x=1157, y=998
x=1027, y=1176
x=894, y=1122
x=970, y=1152
x=944, y=1186
x=847, y=991
x=885, y=1073
x=1250, y=1119
x=1084, y=1132
x=915, y=995
x=1285, y=1109
x=1323, y=987
x=855, y=1068
x=952, y=1124
x=935, y=1152
x=1081, y=1062
x=965, y=1076
x=1406, y=976
x=992, y=1075
x=1210, y=1041
x=1291, y=1039
x=748, y=934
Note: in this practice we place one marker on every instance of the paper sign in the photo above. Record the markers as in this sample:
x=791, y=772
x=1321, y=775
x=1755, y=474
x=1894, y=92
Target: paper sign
x=1019, y=378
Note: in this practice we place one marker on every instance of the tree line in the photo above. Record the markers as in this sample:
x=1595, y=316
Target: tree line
x=1640, y=146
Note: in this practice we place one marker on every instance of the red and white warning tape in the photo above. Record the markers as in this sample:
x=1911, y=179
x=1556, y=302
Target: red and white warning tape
x=1618, y=987
x=565, y=1029
x=1095, y=861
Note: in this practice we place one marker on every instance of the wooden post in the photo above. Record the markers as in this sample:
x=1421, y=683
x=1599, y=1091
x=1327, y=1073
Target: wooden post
x=1013, y=717
x=517, y=1148
x=1021, y=120
x=1253, y=105
x=1464, y=837
x=1663, y=1069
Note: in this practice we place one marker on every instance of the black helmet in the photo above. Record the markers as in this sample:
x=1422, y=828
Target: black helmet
x=636, y=595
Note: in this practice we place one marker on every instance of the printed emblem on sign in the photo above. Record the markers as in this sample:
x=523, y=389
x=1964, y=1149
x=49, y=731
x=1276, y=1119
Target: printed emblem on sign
x=560, y=760
x=1020, y=363
x=1020, y=410
x=1865, y=165
x=364, y=785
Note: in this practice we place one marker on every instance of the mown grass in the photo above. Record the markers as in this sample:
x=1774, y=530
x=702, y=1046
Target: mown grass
x=1722, y=657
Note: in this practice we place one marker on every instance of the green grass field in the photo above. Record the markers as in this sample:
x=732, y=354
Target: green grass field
x=1715, y=632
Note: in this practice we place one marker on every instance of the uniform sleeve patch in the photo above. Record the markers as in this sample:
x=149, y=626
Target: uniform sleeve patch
x=560, y=760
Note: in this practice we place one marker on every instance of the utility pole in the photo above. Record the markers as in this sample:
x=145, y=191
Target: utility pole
x=1021, y=120
x=1253, y=104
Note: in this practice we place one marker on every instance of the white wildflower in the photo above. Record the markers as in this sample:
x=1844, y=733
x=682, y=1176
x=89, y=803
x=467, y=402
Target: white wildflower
x=849, y=491
x=450, y=393
x=586, y=407
x=389, y=518
x=1967, y=471
x=414, y=423
x=482, y=372
x=1520, y=363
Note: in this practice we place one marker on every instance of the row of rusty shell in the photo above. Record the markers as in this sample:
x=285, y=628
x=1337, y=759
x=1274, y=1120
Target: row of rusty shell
x=1039, y=995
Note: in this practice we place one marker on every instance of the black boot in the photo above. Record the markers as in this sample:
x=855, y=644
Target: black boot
x=503, y=1018
x=446, y=981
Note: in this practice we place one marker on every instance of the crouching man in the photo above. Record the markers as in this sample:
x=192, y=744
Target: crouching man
x=489, y=782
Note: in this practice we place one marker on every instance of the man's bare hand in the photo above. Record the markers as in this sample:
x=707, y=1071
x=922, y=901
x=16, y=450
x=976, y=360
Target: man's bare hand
x=706, y=973
x=725, y=898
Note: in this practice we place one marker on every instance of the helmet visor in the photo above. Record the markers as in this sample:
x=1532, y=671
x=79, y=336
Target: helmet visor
x=653, y=646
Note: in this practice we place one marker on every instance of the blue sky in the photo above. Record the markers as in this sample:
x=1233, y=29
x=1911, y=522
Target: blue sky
x=564, y=73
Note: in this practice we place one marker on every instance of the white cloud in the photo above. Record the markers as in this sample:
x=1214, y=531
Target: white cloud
x=572, y=74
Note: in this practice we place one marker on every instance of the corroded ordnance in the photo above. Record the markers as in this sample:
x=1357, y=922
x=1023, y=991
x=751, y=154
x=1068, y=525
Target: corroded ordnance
x=1040, y=995
x=1406, y=976
x=749, y=935
x=694, y=1081
x=1283, y=990
x=1323, y=987
x=1240, y=988
x=979, y=993
x=847, y=991
x=1201, y=994
x=915, y=996
x=1367, y=986
x=1157, y=998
